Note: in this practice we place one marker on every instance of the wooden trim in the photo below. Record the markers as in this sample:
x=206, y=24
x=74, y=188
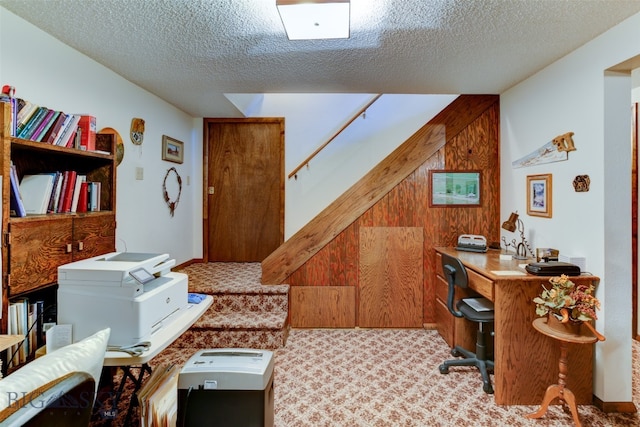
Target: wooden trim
x=609, y=407
x=293, y=253
x=346, y=125
x=635, y=129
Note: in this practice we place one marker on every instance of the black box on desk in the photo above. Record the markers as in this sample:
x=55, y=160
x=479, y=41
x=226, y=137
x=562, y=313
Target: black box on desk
x=226, y=387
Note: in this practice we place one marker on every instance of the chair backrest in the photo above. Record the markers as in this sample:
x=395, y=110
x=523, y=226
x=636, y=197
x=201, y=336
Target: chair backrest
x=456, y=275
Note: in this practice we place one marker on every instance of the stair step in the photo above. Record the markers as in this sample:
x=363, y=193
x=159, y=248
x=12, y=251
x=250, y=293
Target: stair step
x=245, y=320
x=244, y=313
x=234, y=303
x=192, y=341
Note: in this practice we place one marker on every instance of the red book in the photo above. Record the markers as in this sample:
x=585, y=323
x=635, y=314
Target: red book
x=87, y=124
x=53, y=132
x=68, y=191
x=82, y=197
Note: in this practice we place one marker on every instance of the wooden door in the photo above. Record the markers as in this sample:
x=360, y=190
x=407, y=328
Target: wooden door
x=244, y=206
x=391, y=272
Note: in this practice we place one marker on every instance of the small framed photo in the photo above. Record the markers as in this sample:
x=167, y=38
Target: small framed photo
x=172, y=149
x=454, y=188
x=539, y=191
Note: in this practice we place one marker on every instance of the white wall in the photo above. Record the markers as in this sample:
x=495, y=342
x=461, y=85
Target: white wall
x=573, y=95
x=51, y=74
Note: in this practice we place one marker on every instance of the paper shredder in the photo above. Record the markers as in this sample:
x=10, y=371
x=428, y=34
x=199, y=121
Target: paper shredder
x=226, y=387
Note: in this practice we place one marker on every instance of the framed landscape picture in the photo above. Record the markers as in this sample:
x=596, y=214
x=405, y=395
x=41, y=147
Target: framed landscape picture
x=450, y=188
x=172, y=149
x=539, y=190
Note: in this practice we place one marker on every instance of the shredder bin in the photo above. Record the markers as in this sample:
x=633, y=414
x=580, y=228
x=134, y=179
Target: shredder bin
x=226, y=387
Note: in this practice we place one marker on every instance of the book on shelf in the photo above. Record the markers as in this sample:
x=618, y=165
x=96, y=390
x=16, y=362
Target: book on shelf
x=82, y=197
x=66, y=138
x=13, y=359
x=15, y=203
x=24, y=115
x=13, y=105
x=26, y=319
x=87, y=129
x=33, y=133
x=76, y=192
x=36, y=191
x=51, y=117
x=93, y=196
x=50, y=135
x=54, y=139
x=68, y=195
x=55, y=193
x=34, y=122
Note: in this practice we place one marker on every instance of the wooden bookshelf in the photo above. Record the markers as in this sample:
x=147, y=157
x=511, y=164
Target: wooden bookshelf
x=35, y=245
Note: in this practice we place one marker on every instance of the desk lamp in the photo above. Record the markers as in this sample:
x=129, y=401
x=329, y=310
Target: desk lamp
x=513, y=223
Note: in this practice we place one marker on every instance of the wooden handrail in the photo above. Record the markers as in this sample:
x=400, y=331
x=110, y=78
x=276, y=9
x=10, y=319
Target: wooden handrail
x=308, y=159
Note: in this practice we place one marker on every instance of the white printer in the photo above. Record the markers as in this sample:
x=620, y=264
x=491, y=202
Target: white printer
x=131, y=293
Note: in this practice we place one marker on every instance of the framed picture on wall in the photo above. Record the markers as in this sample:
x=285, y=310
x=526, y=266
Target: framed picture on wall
x=172, y=149
x=454, y=188
x=539, y=192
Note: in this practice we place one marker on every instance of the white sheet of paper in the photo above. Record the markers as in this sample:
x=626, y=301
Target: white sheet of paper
x=58, y=336
x=508, y=273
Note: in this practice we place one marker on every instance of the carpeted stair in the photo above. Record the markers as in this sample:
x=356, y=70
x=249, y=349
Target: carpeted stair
x=244, y=313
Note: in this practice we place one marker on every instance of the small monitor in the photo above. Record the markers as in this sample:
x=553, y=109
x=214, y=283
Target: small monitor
x=142, y=275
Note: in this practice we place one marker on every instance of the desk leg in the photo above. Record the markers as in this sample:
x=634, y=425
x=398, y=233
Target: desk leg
x=559, y=391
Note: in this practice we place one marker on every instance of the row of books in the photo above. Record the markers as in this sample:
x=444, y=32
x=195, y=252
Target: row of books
x=55, y=192
x=41, y=124
x=25, y=318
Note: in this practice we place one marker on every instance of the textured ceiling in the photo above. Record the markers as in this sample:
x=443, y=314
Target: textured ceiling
x=191, y=52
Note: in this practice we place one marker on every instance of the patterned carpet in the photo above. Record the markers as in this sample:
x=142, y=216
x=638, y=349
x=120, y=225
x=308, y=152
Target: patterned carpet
x=377, y=377
x=385, y=377
x=380, y=377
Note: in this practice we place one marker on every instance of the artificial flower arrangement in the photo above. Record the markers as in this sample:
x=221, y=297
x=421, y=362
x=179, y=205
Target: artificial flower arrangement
x=569, y=302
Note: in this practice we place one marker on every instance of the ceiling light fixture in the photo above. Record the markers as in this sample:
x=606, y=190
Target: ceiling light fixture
x=315, y=19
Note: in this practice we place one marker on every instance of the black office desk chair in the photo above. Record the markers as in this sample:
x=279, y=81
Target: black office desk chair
x=456, y=275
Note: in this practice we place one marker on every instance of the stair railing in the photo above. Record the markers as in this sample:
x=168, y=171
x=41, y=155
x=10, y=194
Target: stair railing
x=319, y=149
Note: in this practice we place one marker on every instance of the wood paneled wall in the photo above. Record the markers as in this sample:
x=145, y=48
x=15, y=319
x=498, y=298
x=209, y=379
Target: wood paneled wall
x=476, y=147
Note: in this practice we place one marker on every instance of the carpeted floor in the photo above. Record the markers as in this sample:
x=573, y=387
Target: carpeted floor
x=379, y=377
x=386, y=377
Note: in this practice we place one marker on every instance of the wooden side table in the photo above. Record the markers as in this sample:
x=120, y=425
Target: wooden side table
x=559, y=390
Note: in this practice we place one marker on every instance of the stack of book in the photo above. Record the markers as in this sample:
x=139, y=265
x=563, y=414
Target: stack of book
x=55, y=192
x=42, y=124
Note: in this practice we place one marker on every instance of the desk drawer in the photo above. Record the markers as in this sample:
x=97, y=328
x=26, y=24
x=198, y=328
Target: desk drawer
x=481, y=284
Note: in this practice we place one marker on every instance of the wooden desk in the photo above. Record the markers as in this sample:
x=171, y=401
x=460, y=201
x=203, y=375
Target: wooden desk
x=526, y=361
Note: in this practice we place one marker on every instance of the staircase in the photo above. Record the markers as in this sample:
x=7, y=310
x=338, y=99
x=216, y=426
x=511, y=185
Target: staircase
x=244, y=313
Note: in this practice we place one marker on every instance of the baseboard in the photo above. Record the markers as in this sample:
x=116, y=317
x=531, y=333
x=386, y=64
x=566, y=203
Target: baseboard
x=188, y=263
x=620, y=407
x=430, y=326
